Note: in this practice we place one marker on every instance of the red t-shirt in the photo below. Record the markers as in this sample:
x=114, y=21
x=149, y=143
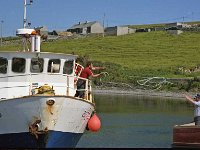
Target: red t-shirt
x=86, y=73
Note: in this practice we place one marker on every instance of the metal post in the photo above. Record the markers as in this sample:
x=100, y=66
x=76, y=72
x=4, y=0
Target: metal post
x=104, y=15
x=24, y=21
x=24, y=42
x=25, y=4
x=1, y=32
x=183, y=19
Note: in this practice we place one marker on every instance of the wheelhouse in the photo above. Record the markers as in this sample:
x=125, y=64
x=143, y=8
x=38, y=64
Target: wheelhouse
x=22, y=72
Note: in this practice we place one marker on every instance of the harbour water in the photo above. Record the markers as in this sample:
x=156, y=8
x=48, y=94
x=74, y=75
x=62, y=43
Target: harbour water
x=129, y=121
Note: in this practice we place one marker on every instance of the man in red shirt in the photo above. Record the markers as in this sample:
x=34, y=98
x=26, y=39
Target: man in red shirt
x=86, y=73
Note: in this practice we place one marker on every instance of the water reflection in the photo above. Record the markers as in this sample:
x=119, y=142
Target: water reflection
x=136, y=121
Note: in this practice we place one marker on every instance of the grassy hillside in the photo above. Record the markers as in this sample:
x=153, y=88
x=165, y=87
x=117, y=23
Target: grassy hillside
x=130, y=57
x=158, y=52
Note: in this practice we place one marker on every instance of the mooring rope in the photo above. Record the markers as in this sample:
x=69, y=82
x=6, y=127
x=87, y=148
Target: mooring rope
x=105, y=74
x=148, y=82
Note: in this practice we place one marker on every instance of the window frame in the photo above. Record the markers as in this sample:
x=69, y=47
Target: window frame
x=49, y=67
x=6, y=65
x=24, y=66
x=41, y=66
x=72, y=67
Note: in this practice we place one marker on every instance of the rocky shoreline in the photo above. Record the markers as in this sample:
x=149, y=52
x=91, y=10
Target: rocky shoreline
x=141, y=92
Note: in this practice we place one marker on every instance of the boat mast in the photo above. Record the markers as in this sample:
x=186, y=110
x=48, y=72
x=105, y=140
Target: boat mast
x=25, y=4
x=29, y=35
x=24, y=21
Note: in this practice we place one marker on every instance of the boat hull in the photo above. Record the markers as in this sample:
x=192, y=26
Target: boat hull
x=61, y=124
x=186, y=137
x=26, y=140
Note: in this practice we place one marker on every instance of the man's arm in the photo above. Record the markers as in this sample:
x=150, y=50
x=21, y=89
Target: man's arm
x=98, y=68
x=96, y=75
x=90, y=74
x=190, y=99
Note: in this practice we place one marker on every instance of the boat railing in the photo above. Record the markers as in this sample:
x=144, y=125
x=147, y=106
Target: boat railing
x=87, y=91
x=33, y=90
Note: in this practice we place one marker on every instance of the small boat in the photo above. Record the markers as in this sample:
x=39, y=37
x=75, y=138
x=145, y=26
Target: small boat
x=186, y=136
x=37, y=104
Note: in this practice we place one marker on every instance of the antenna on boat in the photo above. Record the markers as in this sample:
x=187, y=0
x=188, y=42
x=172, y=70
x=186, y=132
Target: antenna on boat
x=26, y=4
x=29, y=35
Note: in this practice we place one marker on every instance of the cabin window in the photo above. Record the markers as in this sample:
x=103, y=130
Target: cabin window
x=37, y=65
x=68, y=67
x=54, y=66
x=18, y=65
x=3, y=65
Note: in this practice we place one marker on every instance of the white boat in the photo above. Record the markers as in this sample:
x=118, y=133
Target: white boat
x=37, y=104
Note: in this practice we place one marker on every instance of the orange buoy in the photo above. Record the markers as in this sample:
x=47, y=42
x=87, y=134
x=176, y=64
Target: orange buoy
x=94, y=123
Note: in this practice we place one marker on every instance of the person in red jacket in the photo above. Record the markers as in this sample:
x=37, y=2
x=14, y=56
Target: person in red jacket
x=86, y=73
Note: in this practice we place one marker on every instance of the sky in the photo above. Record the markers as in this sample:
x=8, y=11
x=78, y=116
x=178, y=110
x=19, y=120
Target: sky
x=62, y=14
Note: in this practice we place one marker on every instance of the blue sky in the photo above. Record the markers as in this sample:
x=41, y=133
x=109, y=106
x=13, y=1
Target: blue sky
x=62, y=14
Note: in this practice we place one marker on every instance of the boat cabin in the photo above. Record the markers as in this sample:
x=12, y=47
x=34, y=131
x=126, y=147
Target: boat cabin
x=21, y=73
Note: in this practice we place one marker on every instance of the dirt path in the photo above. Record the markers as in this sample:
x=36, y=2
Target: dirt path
x=138, y=92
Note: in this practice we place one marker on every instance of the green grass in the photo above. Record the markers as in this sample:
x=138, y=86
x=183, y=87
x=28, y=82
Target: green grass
x=136, y=55
x=147, y=51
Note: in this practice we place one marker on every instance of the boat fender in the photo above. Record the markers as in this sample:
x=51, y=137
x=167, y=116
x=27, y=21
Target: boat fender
x=94, y=123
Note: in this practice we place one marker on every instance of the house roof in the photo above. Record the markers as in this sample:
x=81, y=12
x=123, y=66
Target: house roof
x=83, y=25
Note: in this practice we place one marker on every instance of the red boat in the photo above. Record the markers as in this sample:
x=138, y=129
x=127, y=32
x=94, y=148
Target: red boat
x=186, y=136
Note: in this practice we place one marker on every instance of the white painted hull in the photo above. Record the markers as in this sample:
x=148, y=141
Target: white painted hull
x=65, y=121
